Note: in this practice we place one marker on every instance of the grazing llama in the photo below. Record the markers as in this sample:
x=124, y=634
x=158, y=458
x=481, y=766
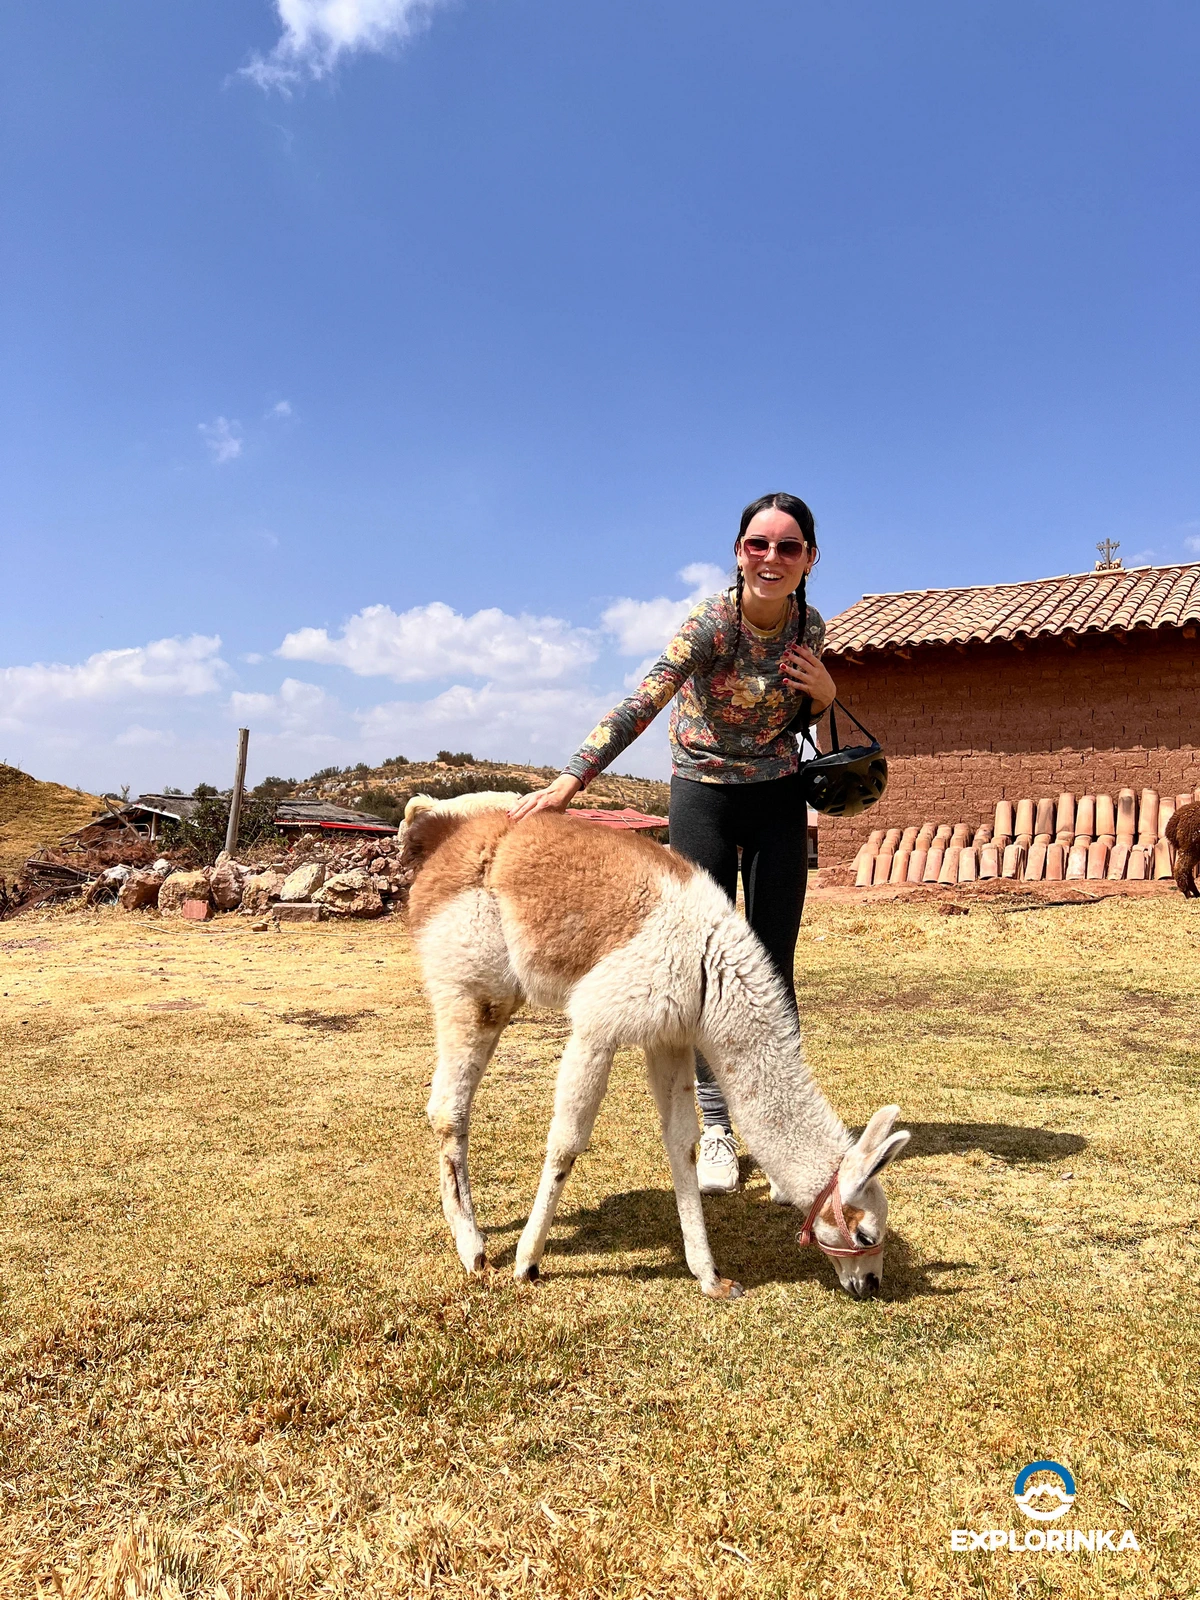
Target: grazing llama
x=638, y=947
x=1183, y=831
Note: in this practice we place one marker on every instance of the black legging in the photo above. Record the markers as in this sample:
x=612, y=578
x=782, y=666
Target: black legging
x=770, y=822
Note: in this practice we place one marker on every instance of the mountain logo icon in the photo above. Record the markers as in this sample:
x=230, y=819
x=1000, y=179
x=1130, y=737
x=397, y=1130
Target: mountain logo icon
x=1046, y=1500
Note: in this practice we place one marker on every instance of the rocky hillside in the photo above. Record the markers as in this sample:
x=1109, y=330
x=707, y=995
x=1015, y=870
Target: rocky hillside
x=33, y=814
x=386, y=790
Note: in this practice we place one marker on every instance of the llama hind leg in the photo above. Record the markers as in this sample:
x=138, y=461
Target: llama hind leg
x=582, y=1080
x=1185, y=873
x=467, y=1031
x=670, y=1075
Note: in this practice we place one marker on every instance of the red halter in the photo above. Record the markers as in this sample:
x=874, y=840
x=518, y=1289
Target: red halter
x=807, y=1236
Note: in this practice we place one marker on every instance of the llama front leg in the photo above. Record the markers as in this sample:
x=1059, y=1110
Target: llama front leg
x=671, y=1078
x=582, y=1080
x=467, y=1031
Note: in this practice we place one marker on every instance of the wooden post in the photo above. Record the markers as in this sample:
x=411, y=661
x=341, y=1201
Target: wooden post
x=239, y=783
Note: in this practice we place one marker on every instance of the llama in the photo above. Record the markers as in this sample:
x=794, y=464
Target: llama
x=462, y=805
x=1183, y=831
x=459, y=805
x=638, y=947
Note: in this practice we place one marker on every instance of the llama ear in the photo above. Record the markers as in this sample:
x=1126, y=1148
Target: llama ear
x=876, y=1147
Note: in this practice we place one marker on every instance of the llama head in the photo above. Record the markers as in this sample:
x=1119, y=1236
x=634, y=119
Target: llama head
x=864, y=1204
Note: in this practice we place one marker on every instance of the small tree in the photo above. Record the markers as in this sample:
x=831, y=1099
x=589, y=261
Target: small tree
x=201, y=837
x=273, y=788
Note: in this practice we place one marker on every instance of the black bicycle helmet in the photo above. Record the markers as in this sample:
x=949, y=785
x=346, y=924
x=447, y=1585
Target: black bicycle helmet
x=843, y=783
x=846, y=782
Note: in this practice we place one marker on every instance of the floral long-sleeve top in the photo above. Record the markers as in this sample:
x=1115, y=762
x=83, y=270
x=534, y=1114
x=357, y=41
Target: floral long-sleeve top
x=729, y=722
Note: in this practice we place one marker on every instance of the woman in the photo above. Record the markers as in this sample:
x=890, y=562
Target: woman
x=741, y=672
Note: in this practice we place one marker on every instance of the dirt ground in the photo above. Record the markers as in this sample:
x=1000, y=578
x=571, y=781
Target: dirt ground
x=238, y=1356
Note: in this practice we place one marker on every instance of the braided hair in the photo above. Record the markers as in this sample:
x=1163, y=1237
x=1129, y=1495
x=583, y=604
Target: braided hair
x=795, y=508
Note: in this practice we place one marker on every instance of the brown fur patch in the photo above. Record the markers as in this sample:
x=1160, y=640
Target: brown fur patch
x=1183, y=831
x=852, y=1214
x=450, y=854
x=577, y=891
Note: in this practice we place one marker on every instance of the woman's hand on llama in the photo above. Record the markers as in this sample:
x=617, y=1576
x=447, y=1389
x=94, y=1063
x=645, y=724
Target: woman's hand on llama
x=557, y=796
x=804, y=673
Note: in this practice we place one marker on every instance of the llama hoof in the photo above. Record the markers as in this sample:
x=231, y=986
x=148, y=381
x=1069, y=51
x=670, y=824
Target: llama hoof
x=480, y=1262
x=529, y=1274
x=724, y=1289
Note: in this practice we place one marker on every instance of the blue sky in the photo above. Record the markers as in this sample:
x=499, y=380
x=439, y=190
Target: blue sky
x=375, y=389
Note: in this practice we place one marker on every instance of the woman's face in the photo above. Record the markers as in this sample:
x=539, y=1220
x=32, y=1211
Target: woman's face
x=769, y=574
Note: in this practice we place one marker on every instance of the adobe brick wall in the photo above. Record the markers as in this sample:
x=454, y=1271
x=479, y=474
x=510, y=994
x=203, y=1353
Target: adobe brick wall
x=965, y=728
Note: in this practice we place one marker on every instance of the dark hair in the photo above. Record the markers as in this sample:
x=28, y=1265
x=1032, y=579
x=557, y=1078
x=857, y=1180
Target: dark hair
x=795, y=508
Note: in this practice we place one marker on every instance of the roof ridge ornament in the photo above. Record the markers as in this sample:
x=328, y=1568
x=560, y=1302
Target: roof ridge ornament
x=1109, y=561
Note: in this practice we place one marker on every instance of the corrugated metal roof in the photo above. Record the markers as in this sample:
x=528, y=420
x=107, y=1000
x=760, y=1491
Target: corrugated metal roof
x=1088, y=602
x=322, y=814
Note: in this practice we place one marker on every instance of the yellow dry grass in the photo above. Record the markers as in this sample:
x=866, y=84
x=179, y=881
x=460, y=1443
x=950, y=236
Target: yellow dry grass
x=238, y=1357
x=33, y=813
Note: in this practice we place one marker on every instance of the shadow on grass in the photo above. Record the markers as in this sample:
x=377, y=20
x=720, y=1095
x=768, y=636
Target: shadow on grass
x=999, y=1139
x=752, y=1241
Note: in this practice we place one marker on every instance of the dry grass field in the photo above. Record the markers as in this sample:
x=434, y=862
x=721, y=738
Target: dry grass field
x=238, y=1356
x=33, y=813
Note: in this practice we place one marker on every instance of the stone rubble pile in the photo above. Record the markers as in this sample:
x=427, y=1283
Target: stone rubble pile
x=1090, y=837
x=314, y=880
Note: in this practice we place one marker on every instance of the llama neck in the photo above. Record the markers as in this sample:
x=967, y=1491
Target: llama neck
x=749, y=1037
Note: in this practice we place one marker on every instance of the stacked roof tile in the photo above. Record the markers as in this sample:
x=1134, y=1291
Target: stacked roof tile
x=1089, y=602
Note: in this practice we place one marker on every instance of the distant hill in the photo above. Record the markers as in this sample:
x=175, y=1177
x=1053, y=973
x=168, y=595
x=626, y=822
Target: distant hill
x=386, y=790
x=34, y=813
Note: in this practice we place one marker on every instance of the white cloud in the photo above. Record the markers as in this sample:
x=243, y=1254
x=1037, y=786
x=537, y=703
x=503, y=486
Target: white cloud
x=647, y=625
x=223, y=438
x=1193, y=544
x=136, y=737
x=318, y=33
x=434, y=641
x=298, y=708
x=506, y=723
x=281, y=408
x=166, y=667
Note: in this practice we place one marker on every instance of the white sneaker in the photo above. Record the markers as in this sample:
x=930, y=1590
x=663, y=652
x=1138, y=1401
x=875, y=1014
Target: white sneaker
x=717, y=1166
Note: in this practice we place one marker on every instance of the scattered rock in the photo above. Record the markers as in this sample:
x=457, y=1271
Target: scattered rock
x=181, y=886
x=260, y=890
x=350, y=894
x=140, y=891
x=196, y=910
x=226, y=883
x=294, y=911
x=299, y=885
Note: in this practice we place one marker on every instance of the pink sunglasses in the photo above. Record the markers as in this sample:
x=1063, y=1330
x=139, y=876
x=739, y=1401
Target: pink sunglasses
x=786, y=549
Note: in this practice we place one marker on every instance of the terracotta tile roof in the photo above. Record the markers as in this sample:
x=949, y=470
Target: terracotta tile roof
x=1088, y=602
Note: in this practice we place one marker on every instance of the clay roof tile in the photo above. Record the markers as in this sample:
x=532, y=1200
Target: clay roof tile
x=1120, y=599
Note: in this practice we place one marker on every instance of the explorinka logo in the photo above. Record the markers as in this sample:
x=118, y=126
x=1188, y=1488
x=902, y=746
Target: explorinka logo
x=1044, y=1501
x=1044, y=1491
